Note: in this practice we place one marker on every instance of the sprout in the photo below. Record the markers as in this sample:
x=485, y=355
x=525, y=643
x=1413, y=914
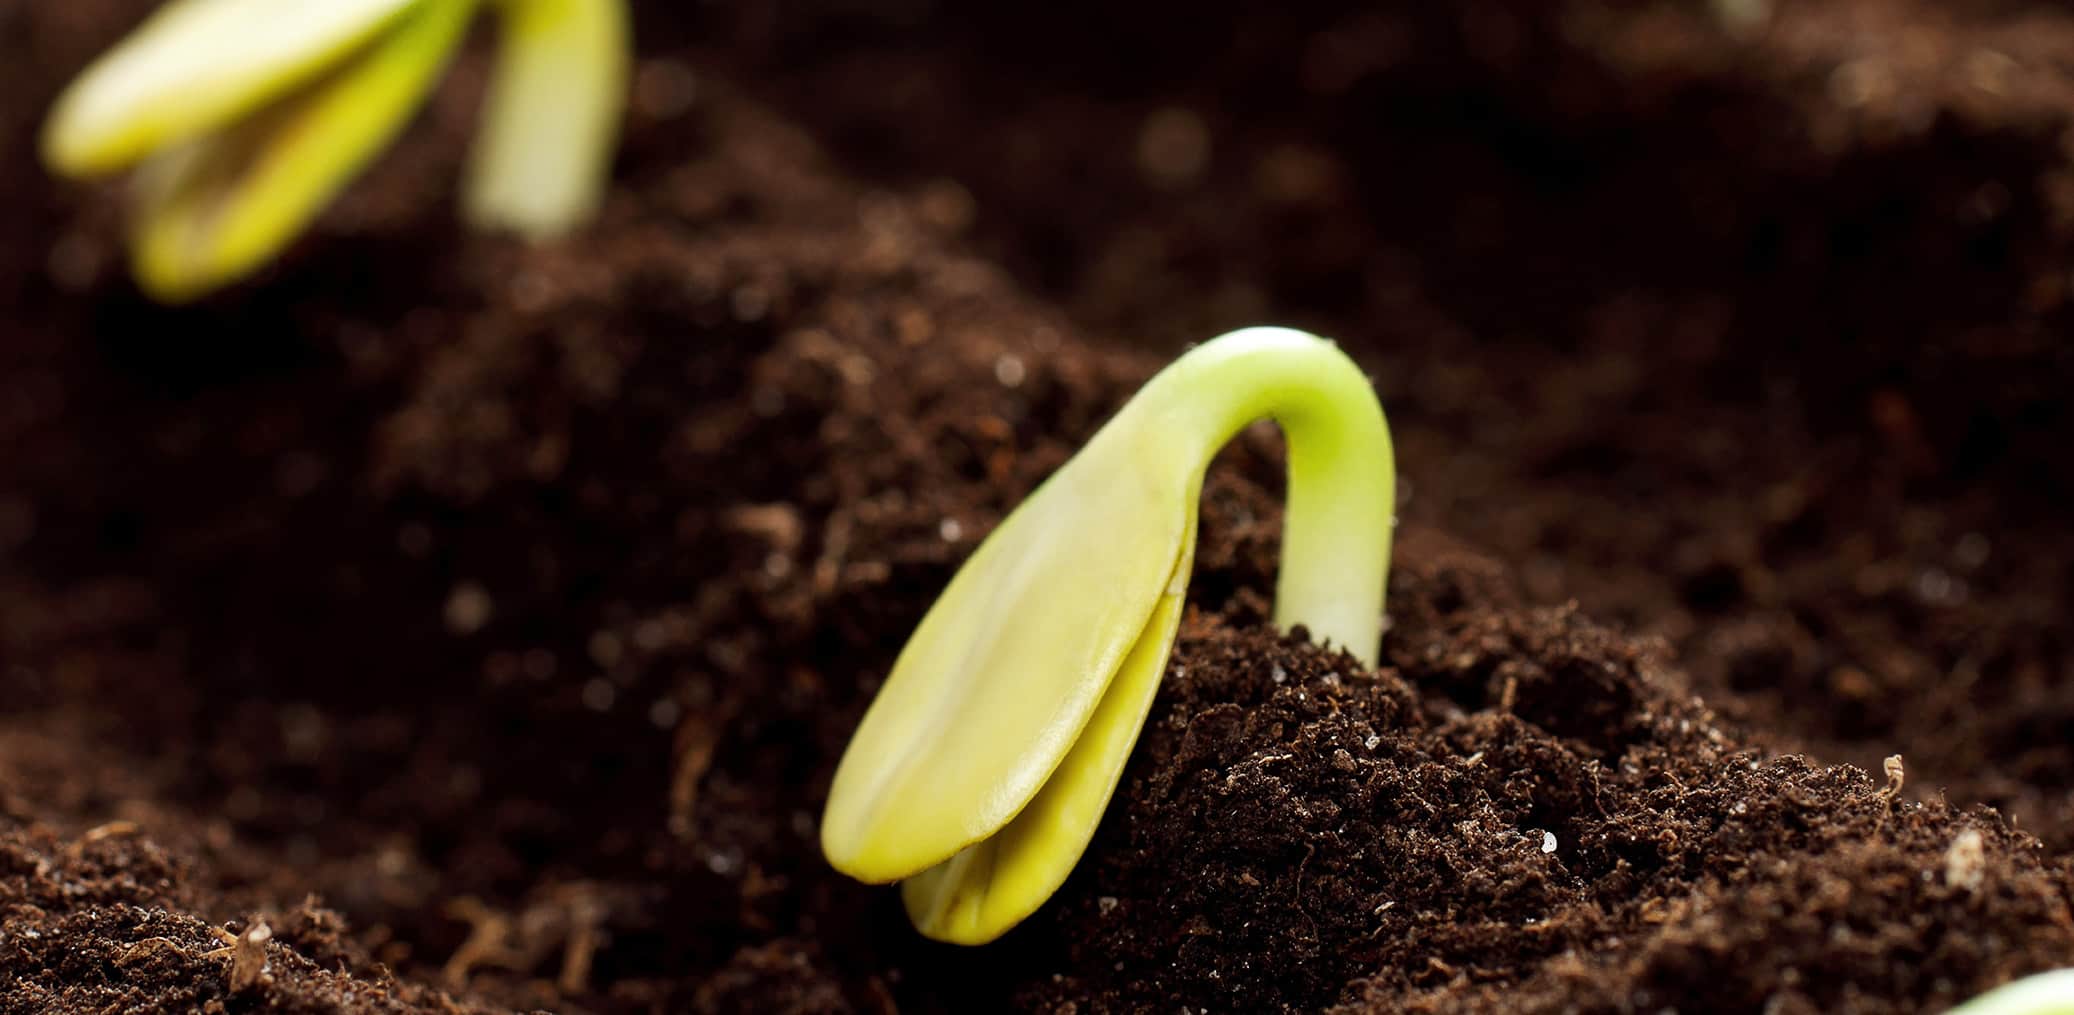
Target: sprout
x=243, y=118
x=979, y=773
x=2040, y=994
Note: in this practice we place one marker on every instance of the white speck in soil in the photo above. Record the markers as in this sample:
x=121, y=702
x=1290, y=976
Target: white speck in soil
x=468, y=608
x=1106, y=904
x=1548, y=842
x=950, y=530
x=392, y=861
x=1281, y=675
x=1965, y=863
x=1937, y=587
x=1009, y=371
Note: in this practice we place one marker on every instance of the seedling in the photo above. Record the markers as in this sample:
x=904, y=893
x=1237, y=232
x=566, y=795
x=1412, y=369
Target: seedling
x=243, y=118
x=2040, y=994
x=981, y=769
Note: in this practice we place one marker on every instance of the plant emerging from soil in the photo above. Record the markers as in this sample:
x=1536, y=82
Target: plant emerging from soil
x=243, y=118
x=981, y=769
x=2041, y=994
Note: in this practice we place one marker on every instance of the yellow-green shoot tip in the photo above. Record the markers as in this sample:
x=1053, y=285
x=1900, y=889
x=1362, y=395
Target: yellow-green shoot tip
x=979, y=773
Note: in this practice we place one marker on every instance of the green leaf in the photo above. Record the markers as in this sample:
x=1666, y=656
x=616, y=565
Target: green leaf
x=977, y=895
x=552, y=115
x=1008, y=666
x=216, y=208
x=197, y=65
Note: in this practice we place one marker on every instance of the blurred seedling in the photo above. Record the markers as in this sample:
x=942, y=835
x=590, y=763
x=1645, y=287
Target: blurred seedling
x=980, y=771
x=241, y=120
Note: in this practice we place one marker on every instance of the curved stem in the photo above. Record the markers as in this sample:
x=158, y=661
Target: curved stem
x=1341, y=508
x=551, y=118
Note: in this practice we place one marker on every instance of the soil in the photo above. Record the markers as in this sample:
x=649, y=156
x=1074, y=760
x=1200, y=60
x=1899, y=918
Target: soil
x=441, y=624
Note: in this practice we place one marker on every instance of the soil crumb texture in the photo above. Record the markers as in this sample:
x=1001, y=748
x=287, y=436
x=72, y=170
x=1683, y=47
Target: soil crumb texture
x=442, y=623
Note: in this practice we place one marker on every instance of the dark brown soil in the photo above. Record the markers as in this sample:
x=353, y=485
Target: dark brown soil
x=485, y=621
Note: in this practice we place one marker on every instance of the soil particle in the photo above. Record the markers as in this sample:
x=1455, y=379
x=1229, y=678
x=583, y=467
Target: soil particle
x=107, y=922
